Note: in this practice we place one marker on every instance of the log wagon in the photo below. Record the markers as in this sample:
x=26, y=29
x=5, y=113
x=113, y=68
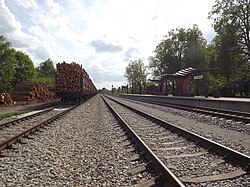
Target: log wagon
x=73, y=82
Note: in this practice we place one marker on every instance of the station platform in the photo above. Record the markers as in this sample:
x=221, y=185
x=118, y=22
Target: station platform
x=225, y=98
x=225, y=103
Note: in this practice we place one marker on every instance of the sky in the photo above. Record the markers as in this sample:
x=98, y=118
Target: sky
x=102, y=35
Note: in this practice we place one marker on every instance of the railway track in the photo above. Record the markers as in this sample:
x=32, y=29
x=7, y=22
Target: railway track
x=181, y=157
x=14, y=130
x=86, y=148
x=26, y=117
x=227, y=114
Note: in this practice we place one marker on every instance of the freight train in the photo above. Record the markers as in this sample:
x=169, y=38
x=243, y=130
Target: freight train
x=73, y=82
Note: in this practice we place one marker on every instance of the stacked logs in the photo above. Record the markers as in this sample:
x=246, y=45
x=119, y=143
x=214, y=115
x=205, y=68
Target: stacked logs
x=5, y=99
x=68, y=78
x=31, y=92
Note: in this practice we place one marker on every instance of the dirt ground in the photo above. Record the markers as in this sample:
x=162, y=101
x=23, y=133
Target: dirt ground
x=26, y=107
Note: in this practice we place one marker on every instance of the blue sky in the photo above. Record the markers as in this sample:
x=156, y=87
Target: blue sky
x=102, y=35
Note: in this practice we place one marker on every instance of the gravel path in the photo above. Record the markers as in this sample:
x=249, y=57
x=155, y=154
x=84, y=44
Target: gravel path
x=83, y=148
x=202, y=125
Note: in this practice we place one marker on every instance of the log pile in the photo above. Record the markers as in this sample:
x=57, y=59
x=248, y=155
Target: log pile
x=31, y=92
x=5, y=99
x=68, y=78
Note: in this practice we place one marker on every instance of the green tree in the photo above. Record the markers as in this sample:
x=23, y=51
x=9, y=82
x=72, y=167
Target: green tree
x=24, y=68
x=46, y=69
x=194, y=52
x=232, y=45
x=46, y=72
x=7, y=64
x=164, y=60
x=169, y=53
x=234, y=14
x=179, y=49
x=232, y=66
x=136, y=75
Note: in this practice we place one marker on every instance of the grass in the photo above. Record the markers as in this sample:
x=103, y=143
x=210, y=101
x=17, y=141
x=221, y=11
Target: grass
x=3, y=116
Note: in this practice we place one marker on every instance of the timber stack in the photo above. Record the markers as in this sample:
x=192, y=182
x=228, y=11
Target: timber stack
x=5, y=99
x=31, y=92
x=72, y=82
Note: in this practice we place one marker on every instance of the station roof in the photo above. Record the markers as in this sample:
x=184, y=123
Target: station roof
x=181, y=73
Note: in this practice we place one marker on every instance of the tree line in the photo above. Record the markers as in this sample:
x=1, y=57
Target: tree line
x=16, y=66
x=228, y=52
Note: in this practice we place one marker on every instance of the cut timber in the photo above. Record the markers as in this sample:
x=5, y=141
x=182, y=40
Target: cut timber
x=72, y=82
x=31, y=92
x=5, y=99
x=69, y=78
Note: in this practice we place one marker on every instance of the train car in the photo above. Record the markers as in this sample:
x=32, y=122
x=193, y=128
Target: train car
x=73, y=82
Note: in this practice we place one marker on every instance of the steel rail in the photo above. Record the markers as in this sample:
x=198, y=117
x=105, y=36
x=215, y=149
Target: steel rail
x=228, y=114
x=166, y=177
x=229, y=154
x=23, y=134
x=24, y=118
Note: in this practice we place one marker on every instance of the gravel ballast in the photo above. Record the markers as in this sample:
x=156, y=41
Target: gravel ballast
x=83, y=148
x=187, y=167
x=229, y=133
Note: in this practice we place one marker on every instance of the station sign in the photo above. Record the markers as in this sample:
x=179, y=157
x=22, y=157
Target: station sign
x=198, y=77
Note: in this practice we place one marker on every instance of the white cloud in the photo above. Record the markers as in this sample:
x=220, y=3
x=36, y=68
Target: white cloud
x=102, y=35
x=7, y=20
x=130, y=53
x=101, y=46
x=27, y=3
x=51, y=8
x=12, y=30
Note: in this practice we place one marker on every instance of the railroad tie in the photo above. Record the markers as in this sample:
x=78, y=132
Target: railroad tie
x=184, y=155
x=134, y=158
x=147, y=183
x=223, y=176
x=138, y=169
x=171, y=148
